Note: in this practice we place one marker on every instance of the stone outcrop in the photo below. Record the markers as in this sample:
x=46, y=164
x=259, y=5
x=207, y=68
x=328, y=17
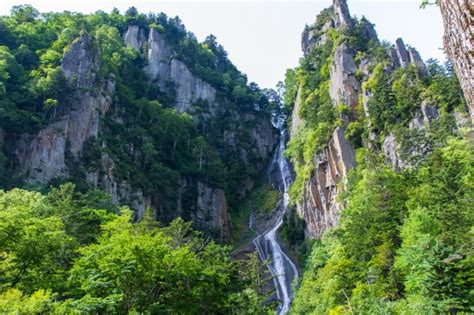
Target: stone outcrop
x=263, y=136
x=121, y=192
x=402, y=53
x=311, y=37
x=135, y=37
x=43, y=156
x=341, y=13
x=391, y=151
x=400, y=56
x=56, y=150
x=344, y=87
x=339, y=17
x=296, y=120
x=165, y=68
x=212, y=212
x=458, y=17
x=319, y=207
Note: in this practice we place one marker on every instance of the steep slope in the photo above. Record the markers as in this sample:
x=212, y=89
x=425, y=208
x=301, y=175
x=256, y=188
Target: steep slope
x=335, y=108
x=377, y=138
x=458, y=17
x=135, y=106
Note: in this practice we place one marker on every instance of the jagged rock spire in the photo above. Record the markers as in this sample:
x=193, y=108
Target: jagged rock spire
x=341, y=11
x=401, y=56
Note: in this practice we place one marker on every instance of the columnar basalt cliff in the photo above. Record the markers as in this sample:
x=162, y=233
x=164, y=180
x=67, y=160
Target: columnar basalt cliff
x=56, y=152
x=381, y=143
x=43, y=156
x=319, y=207
x=353, y=68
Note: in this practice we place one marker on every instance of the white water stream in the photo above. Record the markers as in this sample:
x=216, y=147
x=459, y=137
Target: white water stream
x=281, y=267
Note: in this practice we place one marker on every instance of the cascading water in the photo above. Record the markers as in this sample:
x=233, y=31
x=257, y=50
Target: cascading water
x=281, y=267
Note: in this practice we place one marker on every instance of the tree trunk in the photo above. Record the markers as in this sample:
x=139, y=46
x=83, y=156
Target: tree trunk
x=458, y=18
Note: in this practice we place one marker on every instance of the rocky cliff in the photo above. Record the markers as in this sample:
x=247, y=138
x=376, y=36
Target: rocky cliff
x=319, y=206
x=353, y=65
x=56, y=151
x=42, y=156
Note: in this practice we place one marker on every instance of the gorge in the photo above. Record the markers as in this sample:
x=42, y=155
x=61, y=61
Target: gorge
x=140, y=172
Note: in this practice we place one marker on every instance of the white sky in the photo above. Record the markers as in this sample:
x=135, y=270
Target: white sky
x=263, y=37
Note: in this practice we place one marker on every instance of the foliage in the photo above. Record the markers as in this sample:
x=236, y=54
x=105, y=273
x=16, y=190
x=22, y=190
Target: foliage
x=402, y=243
x=52, y=263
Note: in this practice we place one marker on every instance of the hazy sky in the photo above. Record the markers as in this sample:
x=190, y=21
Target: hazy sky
x=263, y=37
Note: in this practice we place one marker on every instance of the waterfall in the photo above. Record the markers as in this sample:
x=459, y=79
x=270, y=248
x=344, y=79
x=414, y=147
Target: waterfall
x=268, y=247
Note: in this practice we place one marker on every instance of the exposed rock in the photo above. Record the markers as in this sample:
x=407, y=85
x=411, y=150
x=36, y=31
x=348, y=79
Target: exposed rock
x=458, y=18
x=415, y=58
x=341, y=11
x=406, y=56
x=402, y=53
x=430, y=113
x=462, y=120
x=212, y=213
x=296, y=120
x=416, y=122
x=80, y=64
x=425, y=117
x=344, y=87
x=315, y=37
x=309, y=39
x=264, y=139
x=134, y=36
x=163, y=66
x=394, y=59
x=122, y=192
x=452, y=258
x=368, y=29
x=319, y=207
x=391, y=150
x=43, y=156
x=190, y=88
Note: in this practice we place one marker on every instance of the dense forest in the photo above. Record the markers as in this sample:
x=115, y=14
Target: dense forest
x=140, y=173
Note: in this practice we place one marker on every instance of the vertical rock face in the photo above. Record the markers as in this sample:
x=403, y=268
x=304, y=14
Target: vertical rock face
x=402, y=53
x=134, y=36
x=344, y=87
x=165, y=68
x=341, y=11
x=212, y=211
x=263, y=136
x=415, y=58
x=339, y=17
x=458, y=17
x=79, y=64
x=319, y=207
x=400, y=56
x=43, y=156
x=311, y=37
x=190, y=89
x=391, y=151
x=159, y=56
x=54, y=151
x=296, y=120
